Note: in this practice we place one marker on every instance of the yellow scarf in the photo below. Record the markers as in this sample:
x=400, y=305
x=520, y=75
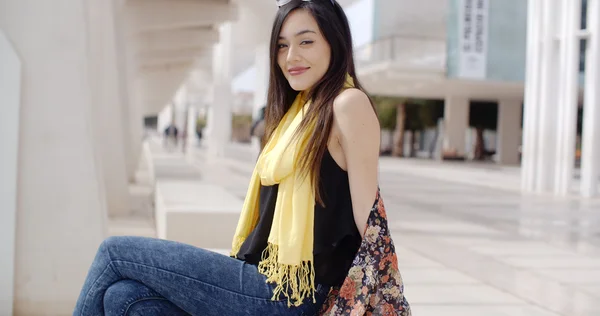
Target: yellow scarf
x=287, y=260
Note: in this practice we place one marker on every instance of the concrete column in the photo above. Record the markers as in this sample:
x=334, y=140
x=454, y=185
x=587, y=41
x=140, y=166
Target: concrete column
x=542, y=97
x=192, y=118
x=107, y=106
x=509, y=131
x=532, y=93
x=590, y=156
x=262, y=65
x=133, y=112
x=568, y=96
x=456, y=121
x=134, y=133
x=124, y=80
x=219, y=115
x=10, y=93
x=549, y=86
x=180, y=103
x=61, y=212
x=165, y=117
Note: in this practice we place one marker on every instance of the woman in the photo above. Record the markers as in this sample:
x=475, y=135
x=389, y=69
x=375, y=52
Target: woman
x=293, y=243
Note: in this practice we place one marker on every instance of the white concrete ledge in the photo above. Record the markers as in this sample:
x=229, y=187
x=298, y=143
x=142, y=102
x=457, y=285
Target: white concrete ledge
x=196, y=213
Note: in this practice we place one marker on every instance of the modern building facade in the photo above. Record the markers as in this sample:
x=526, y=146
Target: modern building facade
x=535, y=59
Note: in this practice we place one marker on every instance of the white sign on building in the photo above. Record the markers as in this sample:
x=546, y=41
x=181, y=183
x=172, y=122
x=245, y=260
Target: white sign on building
x=473, y=38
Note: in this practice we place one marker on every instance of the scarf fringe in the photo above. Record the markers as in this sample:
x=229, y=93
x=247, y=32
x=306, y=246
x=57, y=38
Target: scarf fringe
x=295, y=282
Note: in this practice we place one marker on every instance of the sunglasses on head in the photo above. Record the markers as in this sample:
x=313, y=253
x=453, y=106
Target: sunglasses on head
x=281, y=3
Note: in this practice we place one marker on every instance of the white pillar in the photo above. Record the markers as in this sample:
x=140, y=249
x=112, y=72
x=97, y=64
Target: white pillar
x=107, y=107
x=262, y=64
x=544, y=81
x=124, y=79
x=165, y=117
x=133, y=111
x=219, y=115
x=134, y=133
x=192, y=140
x=568, y=96
x=590, y=156
x=191, y=125
x=532, y=93
x=456, y=121
x=61, y=213
x=10, y=92
x=180, y=103
x=549, y=85
x=509, y=131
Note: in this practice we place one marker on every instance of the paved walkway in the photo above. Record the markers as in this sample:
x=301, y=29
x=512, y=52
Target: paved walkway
x=468, y=248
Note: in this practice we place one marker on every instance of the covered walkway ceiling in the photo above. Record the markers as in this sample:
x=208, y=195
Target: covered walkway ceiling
x=165, y=40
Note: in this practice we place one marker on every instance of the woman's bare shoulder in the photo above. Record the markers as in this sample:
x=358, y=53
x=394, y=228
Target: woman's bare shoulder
x=353, y=108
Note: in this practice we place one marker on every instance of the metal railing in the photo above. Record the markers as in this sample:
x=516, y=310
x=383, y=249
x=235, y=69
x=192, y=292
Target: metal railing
x=411, y=52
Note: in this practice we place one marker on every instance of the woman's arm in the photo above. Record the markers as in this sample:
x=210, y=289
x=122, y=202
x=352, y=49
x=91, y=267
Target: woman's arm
x=359, y=137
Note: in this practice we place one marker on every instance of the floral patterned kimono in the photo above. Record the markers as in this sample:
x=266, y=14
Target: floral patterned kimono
x=373, y=285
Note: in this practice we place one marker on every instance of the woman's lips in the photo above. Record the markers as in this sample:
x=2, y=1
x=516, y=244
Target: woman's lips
x=297, y=70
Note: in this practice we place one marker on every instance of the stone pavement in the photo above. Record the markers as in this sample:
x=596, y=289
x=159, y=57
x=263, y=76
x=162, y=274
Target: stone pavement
x=493, y=252
x=466, y=247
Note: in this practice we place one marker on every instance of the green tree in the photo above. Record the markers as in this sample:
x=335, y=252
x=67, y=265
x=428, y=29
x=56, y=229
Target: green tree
x=390, y=111
x=401, y=115
x=420, y=115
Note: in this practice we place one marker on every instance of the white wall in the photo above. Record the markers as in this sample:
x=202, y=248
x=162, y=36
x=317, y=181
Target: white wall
x=107, y=106
x=60, y=202
x=424, y=18
x=10, y=90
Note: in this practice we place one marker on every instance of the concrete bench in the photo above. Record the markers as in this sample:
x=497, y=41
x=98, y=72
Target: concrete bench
x=201, y=214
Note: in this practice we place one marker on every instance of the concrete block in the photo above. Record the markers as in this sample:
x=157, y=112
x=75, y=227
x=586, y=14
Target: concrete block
x=200, y=214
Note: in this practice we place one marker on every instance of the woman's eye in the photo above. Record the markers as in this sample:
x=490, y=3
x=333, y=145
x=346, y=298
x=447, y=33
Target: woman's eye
x=280, y=46
x=306, y=42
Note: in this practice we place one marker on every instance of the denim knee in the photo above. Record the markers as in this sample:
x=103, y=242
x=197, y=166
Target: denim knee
x=106, y=244
x=110, y=242
x=155, y=307
x=131, y=298
x=121, y=295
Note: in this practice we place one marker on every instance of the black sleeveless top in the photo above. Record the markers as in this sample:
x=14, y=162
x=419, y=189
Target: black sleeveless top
x=336, y=238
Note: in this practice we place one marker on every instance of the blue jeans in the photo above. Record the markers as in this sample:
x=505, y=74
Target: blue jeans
x=147, y=276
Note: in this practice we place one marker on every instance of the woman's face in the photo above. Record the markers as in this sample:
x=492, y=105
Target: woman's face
x=303, y=53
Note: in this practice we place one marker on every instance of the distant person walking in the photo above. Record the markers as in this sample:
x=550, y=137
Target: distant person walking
x=171, y=134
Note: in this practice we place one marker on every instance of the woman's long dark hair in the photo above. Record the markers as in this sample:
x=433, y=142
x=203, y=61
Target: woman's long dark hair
x=335, y=28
